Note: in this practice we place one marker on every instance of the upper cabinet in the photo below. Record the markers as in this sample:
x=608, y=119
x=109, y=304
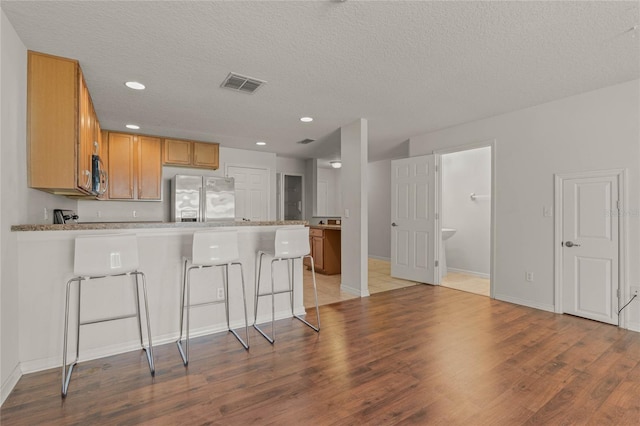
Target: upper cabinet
x=134, y=167
x=62, y=127
x=185, y=153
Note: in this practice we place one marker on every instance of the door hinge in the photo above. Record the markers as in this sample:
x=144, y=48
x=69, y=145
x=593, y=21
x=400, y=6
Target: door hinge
x=437, y=168
x=618, y=204
x=437, y=216
x=437, y=263
x=618, y=293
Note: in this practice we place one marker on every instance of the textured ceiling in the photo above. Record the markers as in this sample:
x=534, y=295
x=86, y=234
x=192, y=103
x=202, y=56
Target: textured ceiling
x=407, y=67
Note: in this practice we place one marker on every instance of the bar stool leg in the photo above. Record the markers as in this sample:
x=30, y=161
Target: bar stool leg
x=149, y=350
x=182, y=297
x=244, y=343
x=244, y=301
x=66, y=374
x=315, y=294
x=186, y=287
x=258, y=275
x=137, y=291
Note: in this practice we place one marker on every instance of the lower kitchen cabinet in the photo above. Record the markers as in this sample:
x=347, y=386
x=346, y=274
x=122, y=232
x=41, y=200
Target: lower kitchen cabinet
x=325, y=250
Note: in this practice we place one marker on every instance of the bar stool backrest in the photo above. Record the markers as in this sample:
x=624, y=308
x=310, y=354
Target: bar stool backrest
x=215, y=247
x=292, y=242
x=100, y=255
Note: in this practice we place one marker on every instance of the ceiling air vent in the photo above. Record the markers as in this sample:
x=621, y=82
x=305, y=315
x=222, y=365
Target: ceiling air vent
x=241, y=83
x=306, y=141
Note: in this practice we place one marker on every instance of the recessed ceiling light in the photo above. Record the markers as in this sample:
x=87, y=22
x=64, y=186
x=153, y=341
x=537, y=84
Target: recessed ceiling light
x=261, y=143
x=134, y=85
x=132, y=126
x=306, y=119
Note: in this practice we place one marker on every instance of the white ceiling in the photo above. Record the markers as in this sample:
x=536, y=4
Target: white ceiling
x=407, y=67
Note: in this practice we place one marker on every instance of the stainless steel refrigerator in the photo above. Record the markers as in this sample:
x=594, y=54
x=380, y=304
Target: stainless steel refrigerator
x=202, y=199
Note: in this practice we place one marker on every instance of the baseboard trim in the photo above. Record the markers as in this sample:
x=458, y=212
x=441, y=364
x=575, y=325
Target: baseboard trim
x=464, y=271
x=523, y=302
x=10, y=383
x=91, y=354
x=354, y=291
x=633, y=326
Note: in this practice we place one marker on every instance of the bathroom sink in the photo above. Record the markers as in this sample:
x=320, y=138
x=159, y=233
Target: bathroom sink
x=448, y=233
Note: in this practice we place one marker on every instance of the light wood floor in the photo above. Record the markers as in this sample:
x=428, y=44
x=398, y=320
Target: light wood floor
x=329, y=285
x=467, y=282
x=420, y=355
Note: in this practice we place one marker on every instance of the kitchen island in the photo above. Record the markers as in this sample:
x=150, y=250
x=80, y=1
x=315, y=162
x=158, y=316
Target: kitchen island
x=45, y=264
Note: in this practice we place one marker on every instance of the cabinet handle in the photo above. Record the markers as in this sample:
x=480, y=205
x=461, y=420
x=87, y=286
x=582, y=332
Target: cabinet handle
x=88, y=175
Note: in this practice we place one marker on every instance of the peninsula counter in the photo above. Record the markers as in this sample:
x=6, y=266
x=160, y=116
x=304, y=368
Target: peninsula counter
x=45, y=264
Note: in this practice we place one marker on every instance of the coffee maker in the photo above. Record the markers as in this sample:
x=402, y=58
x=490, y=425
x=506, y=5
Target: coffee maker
x=61, y=217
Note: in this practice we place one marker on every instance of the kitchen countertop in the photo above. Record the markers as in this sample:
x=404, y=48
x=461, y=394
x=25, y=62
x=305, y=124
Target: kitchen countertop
x=147, y=225
x=336, y=227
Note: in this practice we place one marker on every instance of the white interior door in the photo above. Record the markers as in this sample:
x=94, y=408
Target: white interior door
x=413, y=217
x=590, y=248
x=252, y=192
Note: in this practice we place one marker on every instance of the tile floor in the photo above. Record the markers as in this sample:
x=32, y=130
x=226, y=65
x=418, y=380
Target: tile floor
x=467, y=282
x=380, y=280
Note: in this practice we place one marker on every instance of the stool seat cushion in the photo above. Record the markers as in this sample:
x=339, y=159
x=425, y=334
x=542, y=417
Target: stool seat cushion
x=291, y=243
x=99, y=255
x=211, y=248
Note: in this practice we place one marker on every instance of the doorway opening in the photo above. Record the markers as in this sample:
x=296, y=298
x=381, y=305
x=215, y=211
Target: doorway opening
x=290, y=195
x=465, y=211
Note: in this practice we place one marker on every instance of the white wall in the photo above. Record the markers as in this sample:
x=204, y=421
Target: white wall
x=13, y=119
x=160, y=210
x=592, y=131
x=463, y=173
x=380, y=209
x=355, y=275
x=334, y=192
x=288, y=165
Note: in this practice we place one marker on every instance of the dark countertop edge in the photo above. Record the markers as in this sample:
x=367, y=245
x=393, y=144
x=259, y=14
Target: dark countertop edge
x=148, y=225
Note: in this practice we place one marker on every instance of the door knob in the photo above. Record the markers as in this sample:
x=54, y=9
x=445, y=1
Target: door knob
x=393, y=224
x=571, y=244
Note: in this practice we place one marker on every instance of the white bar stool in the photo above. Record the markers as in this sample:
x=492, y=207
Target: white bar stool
x=211, y=248
x=290, y=244
x=101, y=256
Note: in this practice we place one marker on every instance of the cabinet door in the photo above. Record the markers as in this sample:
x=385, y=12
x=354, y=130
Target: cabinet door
x=318, y=252
x=205, y=155
x=177, y=152
x=85, y=139
x=149, y=173
x=120, y=168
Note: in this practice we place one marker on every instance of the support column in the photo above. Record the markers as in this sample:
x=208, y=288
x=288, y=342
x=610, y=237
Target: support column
x=353, y=176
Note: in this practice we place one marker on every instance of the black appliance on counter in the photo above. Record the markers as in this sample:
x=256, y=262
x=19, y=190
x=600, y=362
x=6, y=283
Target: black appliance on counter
x=61, y=217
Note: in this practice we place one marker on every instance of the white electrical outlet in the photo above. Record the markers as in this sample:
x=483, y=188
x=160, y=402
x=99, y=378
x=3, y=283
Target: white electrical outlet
x=46, y=214
x=134, y=213
x=98, y=213
x=528, y=276
x=220, y=293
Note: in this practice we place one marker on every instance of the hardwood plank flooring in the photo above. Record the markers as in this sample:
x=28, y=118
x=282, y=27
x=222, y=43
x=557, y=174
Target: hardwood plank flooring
x=415, y=355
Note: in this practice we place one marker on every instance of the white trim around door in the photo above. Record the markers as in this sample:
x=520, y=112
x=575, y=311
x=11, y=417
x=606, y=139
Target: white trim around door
x=622, y=285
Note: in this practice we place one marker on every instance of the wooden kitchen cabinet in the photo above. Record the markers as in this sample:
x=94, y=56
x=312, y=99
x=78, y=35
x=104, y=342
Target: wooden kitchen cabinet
x=134, y=165
x=326, y=251
x=62, y=126
x=178, y=152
